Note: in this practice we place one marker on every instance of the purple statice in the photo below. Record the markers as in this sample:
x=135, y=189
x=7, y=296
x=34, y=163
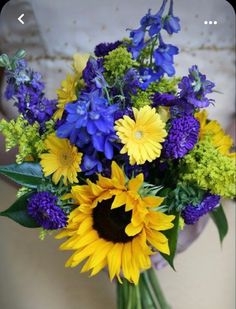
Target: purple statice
x=182, y=136
x=191, y=214
x=171, y=22
x=103, y=49
x=27, y=89
x=150, y=23
x=90, y=124
x=195, y=87
x=42, y=207
x=163, y=57
x=93, y=74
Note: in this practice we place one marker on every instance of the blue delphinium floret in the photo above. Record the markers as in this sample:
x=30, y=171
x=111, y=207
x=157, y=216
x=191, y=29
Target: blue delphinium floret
x=195, y=87
x=191, y=214
x=42, y=207
x=164, y=57
x=171, y=23
x=93, y=74
x=182, y=136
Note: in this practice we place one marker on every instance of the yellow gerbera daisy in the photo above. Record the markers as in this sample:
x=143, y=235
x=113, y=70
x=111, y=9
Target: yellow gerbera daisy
x=114, y=227
x=80, y=61
x=212, y=128
x=142, y=136
x=63, y=160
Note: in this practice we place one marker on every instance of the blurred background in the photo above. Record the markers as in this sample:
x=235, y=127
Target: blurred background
x=32, y=273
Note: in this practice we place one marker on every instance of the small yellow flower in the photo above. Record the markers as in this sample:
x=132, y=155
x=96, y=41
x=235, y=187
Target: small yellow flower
x=80, y=61
x=222, y=142
x=142, y=137
x=63, y=160
x=114, y=227
x=66, y=94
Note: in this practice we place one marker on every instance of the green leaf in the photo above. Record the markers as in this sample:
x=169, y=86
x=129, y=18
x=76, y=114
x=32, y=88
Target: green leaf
x=18, y=212
x=220, y=220
x=172, y=236
x=27, y=174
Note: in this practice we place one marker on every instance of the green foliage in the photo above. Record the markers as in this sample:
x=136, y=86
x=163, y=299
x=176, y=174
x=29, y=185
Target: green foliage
x=142, y=98
x=172, y=236
x=220, y=220
x=27, y=174
x=18, y=212
x=210, y=169
x=22, y=191
x=184, y=194
x=117, y=62
x=20, y=133
x=10, y=62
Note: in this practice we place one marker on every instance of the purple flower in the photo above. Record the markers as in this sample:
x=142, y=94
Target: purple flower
x=182, y=136
x=27, y=89
x=103, y=49
x=131, y=81
x=163, y=57
x=171, y=22
x=191, y=214
x=42, y=207
x=195, y=87
x=147, y=76
x=93, y=74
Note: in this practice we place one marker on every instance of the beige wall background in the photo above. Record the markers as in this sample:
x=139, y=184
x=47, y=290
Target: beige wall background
x=32, y=275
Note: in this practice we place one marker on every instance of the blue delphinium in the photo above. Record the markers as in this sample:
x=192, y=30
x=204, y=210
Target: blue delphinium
x=163, y=57
x=191, y=214
x=195, y=87
x=42, y=207
x=103, y=49
x=27, y=89
x=90, y=123
x=171, y=23
x=151, y=24
x=182, y=136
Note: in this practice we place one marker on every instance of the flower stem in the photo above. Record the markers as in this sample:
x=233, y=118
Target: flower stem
x=157, y=289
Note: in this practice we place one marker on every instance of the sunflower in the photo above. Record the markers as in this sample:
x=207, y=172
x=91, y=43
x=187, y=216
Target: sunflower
x=115, y=227
x=222, y=142
x=63, y=160
x=141, y=136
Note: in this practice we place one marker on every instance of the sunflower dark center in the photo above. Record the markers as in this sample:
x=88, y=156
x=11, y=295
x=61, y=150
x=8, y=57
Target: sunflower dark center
x=111, y=223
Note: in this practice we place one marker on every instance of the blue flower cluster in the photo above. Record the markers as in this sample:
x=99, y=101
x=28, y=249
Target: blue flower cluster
x=27, y=89
x=42, y=207
x=90, y=125
x=149, y=34
x=195, y=87
x=191, y=214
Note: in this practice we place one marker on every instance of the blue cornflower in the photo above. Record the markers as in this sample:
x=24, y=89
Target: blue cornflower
x=171, y=23
x=163, y=57
x=42, y=207
x=182, y=136
x=103, y=49
x=191, y=214
x=195, y=87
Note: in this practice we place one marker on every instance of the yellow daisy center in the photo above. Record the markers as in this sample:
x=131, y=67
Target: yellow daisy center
x=66, y=159
x=138, y=134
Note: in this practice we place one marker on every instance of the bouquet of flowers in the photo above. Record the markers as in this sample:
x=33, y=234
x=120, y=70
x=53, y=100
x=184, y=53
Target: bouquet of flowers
x=122, y=160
